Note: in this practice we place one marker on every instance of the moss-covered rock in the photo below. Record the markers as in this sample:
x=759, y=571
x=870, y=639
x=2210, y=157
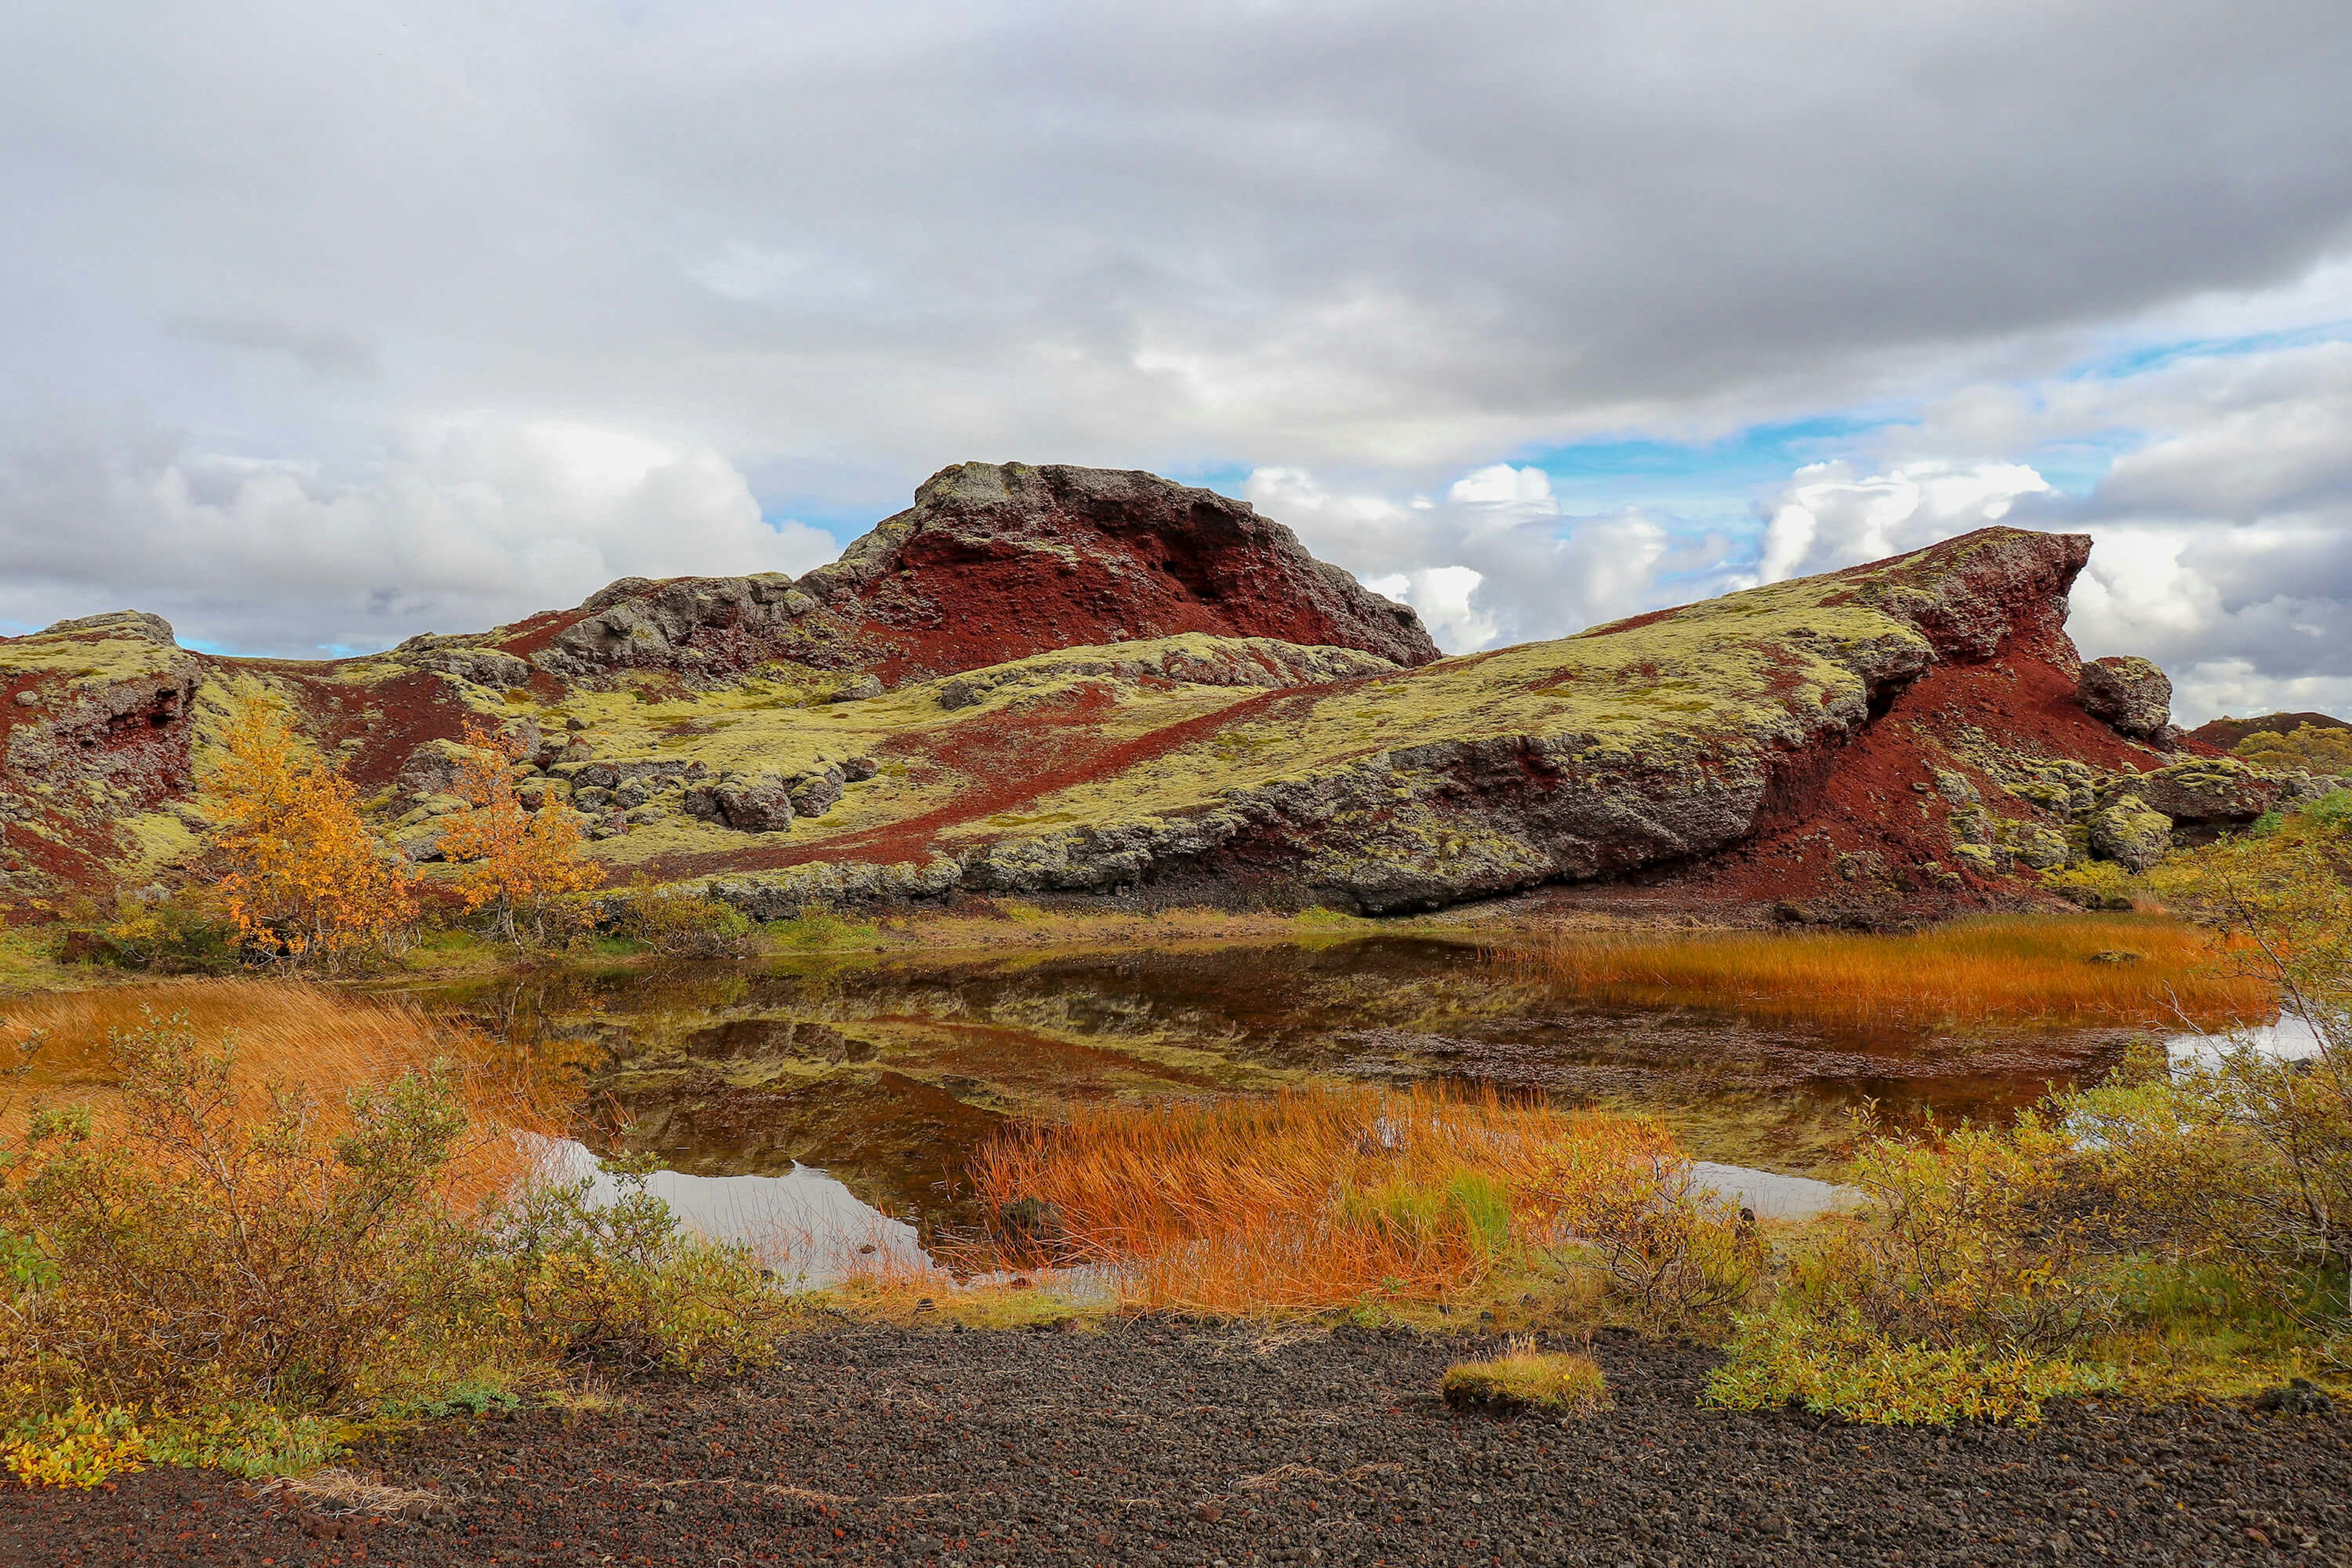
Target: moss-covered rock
x=2128, y=833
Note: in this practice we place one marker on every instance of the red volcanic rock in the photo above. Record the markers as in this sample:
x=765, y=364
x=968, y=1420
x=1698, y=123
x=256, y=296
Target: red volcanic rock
x=991, y=563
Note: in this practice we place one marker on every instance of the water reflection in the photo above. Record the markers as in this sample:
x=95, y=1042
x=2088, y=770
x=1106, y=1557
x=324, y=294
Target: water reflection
x=807, y=1226
x=880, y=1077
x=2290, y=1039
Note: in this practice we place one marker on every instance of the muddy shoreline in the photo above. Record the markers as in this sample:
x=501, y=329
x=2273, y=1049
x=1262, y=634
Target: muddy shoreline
x=1163, y=1441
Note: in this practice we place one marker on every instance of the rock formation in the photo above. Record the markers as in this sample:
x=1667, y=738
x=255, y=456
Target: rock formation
x=1080, y=681
x=992, y=562
x=2131, y=694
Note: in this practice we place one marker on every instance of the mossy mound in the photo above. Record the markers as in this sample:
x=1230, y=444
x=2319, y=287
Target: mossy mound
x=1548, y=1383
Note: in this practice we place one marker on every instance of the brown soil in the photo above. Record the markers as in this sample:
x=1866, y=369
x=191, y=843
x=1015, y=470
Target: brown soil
x=1156, y=1442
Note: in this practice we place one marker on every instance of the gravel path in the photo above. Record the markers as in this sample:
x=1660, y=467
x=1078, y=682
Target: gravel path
x=1162, y=1442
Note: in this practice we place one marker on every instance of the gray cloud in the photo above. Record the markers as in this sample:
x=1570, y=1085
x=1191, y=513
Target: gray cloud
x=322, y=353
x=835, y=248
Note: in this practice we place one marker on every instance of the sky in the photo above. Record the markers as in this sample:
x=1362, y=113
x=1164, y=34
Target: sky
x=324, y=325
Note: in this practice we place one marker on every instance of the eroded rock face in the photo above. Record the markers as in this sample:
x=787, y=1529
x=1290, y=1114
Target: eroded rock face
x=992, y=562
x=2131, y=694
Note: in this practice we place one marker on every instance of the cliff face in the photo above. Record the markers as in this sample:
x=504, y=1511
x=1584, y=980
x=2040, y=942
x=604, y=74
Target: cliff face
x=1068, y=680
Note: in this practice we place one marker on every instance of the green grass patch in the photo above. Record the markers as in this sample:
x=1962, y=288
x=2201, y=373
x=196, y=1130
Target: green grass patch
x=1552, y=1383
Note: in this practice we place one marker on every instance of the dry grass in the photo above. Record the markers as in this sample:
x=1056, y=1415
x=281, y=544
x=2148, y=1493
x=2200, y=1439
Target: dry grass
x=2084, y=970
x=1526, y=1378
x=1306, y=1199
x=292, y=1036
x=334, y=1491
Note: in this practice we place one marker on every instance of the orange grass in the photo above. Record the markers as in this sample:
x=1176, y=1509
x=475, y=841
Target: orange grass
x=1309, y=1198
x=2050, y=969
x=293, y=1036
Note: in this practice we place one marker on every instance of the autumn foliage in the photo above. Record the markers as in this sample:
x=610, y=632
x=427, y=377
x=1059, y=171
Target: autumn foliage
x=304, y=881
x=1311, y=1197
x=2077, y=969
x=514, y=862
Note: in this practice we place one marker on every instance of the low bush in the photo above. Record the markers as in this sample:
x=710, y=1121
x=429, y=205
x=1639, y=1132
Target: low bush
x=619, y=1283
x=681, y=921
x=255, y=1255
x=186, y=932
x=195, y=1276
x=1678, y=1254
x=1838, y=1366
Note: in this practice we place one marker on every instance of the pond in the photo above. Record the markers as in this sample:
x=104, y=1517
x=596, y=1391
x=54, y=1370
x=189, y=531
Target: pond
x=837, y=1099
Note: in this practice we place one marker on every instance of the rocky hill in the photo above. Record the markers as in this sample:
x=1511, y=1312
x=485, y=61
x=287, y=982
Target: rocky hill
x=2224, y=734
x=1080, y=681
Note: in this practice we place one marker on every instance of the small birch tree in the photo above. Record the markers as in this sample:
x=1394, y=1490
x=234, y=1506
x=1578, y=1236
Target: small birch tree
x=514, y=862
x=305, y=880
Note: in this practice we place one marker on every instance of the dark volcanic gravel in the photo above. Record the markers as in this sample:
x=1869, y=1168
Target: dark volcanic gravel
x=1161, y=1442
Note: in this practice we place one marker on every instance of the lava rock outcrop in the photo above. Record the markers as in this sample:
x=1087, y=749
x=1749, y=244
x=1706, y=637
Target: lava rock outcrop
x=1041, y=680
x=992, y=562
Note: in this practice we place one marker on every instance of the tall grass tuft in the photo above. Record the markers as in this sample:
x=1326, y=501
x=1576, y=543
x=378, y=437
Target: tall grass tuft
x=1308, y=1198
x=2084, y=970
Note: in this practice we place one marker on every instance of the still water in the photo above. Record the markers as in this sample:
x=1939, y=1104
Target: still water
x=835, y=1101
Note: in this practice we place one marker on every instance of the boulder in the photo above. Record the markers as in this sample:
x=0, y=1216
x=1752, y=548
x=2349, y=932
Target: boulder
x=759, y=805
x=2130, y=834
x=2044, y=849
x=2204, y=790
x=136, y=624
x=2130, y=695
x=817, y=793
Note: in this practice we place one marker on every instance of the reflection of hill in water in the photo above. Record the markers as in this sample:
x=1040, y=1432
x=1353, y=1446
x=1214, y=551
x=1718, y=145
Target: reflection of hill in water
x=886, y=1073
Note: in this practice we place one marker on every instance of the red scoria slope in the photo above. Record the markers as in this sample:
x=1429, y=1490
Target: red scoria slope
x=992, y=562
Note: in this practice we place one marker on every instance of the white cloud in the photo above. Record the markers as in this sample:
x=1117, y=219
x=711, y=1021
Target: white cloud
x=1496, y=561
x=1829, y=516
x=2223, y=529
x=1443, y=597
x=468, y=524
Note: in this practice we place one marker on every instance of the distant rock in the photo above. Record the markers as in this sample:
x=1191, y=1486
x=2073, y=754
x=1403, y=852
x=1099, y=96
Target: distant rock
x=2207, y=790
x=117, y=623
x=2223, y=734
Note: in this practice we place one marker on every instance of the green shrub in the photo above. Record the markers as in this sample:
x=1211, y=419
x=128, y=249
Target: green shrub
x=261, y=1254
x=217, y=1287
x=1677, y=1252
x=620, y=1282
x=682, y=921
x=1839, y=1367
x=816, y=928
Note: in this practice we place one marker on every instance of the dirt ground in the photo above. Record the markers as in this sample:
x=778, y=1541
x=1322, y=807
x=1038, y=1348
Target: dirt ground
x=1164, y=1442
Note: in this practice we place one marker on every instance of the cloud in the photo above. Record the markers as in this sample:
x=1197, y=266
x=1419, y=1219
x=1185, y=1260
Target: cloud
x=1829, y=516
x=1372, y=246
x=2223, y=529
x=322, y=353
x=1497, y=561
x=469, y=524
